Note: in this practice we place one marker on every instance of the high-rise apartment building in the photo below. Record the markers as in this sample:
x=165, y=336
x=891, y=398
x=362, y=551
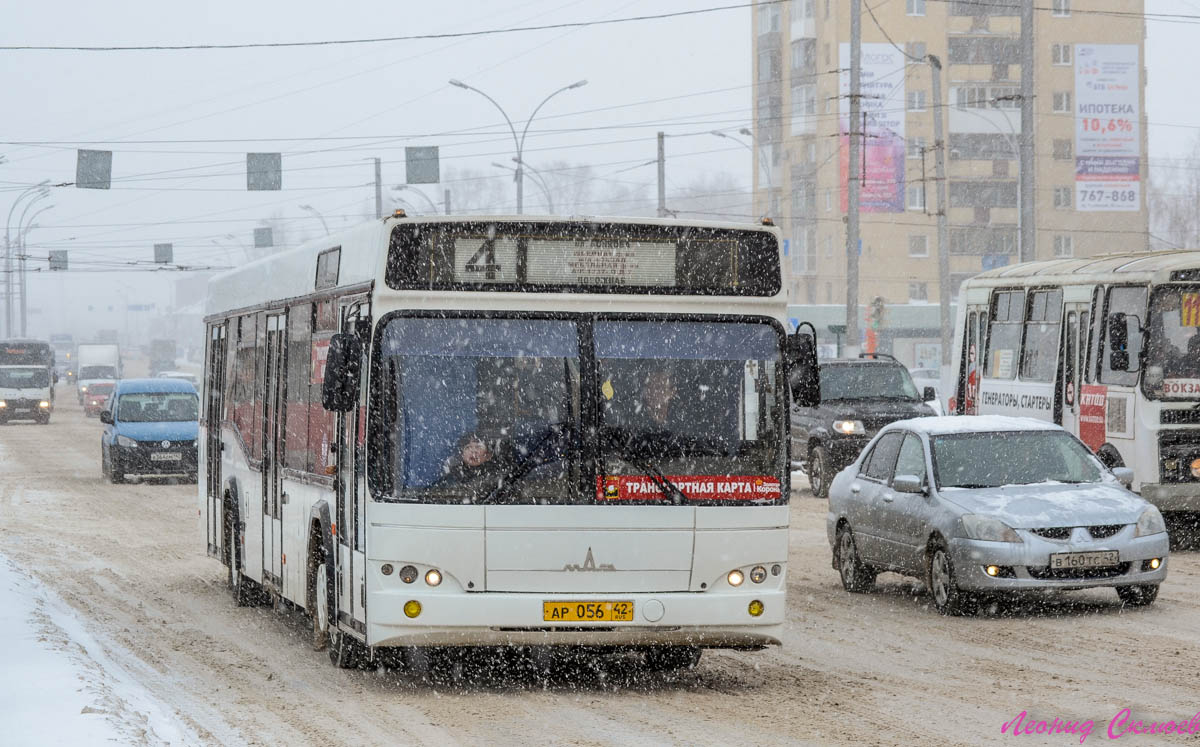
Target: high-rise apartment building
x=1089, y=130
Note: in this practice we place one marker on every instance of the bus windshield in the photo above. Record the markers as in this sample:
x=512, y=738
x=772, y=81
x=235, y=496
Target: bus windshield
x=24, y=378
x=97, y=372
x=505, y=410
x=1173, y=348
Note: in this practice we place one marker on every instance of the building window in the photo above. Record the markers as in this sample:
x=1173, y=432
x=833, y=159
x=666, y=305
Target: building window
x=828, y=247
x=916, y=147
x=1061, y=8
x=1062, y=101
x=1063, y=198
x=769, y=66
x=915, y=50
x=918, y=246
x=1062, y=246
x=916, y=7
x=804, y=56
x=916, y=100
x=804, y=105
x=916, y=197
x=828, y=200
x=918, y=291
x=829, y=293
x=812, y=153
x=1062, y=149
x=828, y=105
x=1060, y=54
x=768, y=18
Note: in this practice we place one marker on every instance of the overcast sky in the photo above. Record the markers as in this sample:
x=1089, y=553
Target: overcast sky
x=685, y=75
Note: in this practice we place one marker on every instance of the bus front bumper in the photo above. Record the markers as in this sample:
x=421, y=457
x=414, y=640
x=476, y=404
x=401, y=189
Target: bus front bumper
x=705, y=619
x=1173, y=496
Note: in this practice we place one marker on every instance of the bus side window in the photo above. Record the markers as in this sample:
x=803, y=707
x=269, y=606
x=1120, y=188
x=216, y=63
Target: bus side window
x=1005, y=341
x=299, y=360
x=1039, y=356
x=1069, y=358
x=1094, y=336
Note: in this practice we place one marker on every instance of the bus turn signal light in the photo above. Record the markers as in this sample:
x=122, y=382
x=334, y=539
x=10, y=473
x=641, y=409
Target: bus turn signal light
x=412, y=608
x=756, y=608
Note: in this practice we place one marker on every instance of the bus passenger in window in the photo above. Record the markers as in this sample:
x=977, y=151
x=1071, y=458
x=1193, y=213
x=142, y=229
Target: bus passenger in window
x=658, y=395
x=477, y=460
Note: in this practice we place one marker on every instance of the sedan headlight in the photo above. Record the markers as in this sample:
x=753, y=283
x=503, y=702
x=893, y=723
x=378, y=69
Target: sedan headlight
x=126, y=441
x=988, y=529
x=1150, y=522
x=849, y=427
x=3, y=404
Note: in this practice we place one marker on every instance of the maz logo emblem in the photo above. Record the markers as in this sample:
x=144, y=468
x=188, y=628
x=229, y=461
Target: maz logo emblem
x=589, y=564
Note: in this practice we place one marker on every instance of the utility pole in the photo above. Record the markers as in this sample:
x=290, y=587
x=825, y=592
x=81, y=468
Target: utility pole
x=378, y=189
x=939, y=160
x=662, y=176
x=1027, y=240
x=852, y=181
x=446, y=200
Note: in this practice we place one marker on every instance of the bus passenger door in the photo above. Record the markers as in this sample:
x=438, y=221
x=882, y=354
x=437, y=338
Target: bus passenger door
x=352, y=489
x=1074, y=349
x=272, y=397
x=214, y=408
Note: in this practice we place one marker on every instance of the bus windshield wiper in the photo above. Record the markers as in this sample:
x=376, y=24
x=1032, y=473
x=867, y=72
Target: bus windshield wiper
x=532, y=459
x=624, y=444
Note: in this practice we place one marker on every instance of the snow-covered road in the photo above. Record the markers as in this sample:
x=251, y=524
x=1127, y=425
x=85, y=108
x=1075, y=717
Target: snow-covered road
x=110, y=604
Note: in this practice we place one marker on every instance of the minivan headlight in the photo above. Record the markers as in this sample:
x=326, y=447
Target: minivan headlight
x=1150, y=522
x=126, y=441
x=988, y=529
x=849, y=427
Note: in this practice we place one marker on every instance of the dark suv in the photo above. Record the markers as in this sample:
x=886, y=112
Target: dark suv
x=858, y=397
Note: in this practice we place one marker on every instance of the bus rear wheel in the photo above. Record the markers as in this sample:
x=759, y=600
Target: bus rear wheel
x=320, y=604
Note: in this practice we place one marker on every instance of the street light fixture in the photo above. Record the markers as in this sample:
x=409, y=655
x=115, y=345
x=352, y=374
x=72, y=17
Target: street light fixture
x=313, y=210
x=519, y=176
x=42, y=190
x=757, y=157
x=21, y=237
x=537, y=178
x=407, y=188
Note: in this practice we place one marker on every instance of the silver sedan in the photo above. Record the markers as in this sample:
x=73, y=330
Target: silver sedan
x=976, y=506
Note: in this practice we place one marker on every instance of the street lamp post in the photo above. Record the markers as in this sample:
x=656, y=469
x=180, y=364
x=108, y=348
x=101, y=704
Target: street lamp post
x=519, y=142
x=313, y=210
x=414, y=190
x=537, y=178
x=41, y=189
x=757, y=157
x=22, y=235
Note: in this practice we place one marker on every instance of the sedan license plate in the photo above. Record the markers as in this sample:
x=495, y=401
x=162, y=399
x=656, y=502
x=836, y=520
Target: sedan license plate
x=587, y=611
x=165, y=457
x=1084, y=559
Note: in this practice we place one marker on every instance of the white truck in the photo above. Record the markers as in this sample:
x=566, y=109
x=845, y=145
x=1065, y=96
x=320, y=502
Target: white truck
x=26, y=380
x=99, y=364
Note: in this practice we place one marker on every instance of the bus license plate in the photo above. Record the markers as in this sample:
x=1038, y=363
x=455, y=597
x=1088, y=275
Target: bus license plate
x=1084, y=559
x=164, y=457
x=587, y=611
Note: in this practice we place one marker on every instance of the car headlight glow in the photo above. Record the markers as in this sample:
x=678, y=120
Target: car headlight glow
x=43, y=404
x=1150, y=522
x=849, y=427
x=3, y=403
x=83, y=388
x=1195, y=466
x=126, y=441
x=988, y=529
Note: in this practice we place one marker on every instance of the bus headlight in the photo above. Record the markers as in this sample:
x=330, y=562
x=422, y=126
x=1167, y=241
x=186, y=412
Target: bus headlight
x=735, y=578
x=43, y=404
x=433, y=577
x=758, y=574
x=408, y=574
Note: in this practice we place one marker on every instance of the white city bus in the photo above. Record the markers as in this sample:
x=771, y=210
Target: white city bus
x=1107, y=346
x=511, y=432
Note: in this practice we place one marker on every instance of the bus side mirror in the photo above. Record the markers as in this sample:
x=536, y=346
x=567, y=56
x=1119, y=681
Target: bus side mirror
x=343, y=364
x=1118, y=342
x=929, y=395
x=55, y=377
x=803, y=375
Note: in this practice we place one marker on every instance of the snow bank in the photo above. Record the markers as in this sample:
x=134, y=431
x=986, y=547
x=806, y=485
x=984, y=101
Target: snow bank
x=59, y=687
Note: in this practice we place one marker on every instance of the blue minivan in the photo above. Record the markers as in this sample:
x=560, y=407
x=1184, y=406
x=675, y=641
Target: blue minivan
x=150, y=429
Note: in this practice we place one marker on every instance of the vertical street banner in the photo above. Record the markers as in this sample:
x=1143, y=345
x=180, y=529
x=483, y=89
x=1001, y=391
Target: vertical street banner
x=1108, y=138
x=882, y=161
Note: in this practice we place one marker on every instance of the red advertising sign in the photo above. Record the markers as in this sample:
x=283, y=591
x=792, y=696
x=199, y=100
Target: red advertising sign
x=1093, y=402
x=695, y=487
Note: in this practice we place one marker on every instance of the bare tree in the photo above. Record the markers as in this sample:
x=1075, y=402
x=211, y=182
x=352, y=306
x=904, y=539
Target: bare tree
x=1173, y=197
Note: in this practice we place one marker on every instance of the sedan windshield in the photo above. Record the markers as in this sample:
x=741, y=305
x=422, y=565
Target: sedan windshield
x=24, y=378
x=989, y=460
x=157, y=407
x=866, y=381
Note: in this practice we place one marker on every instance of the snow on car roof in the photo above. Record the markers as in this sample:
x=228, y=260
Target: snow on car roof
x=947, y=424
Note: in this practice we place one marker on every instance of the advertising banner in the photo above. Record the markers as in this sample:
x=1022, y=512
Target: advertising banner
x=882, y=162
x=1093, y=399
x=1108, y=138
